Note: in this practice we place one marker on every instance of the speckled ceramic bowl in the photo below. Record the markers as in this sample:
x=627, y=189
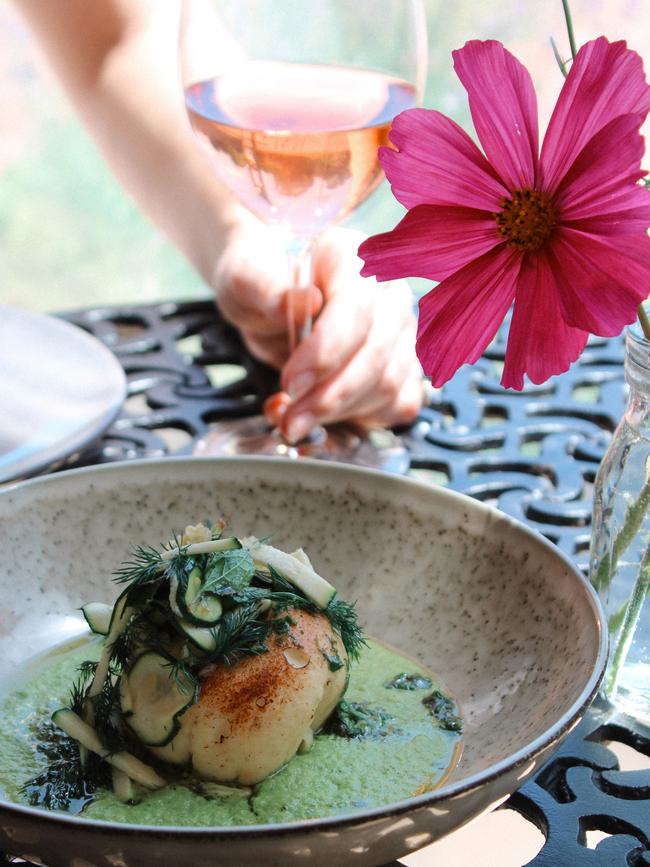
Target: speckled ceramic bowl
x=511, y=626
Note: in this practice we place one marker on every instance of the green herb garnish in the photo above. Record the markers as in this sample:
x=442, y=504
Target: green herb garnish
x=282, y=595
x=144, y=568
x=343, y=617
x=353, y=719
x=240, y=632
x=333, y=660
x=409, y=681
x=443, y=708
x=228, y=572
x=62, y=784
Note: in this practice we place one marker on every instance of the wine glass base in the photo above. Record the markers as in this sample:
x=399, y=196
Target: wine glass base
x=378, y=449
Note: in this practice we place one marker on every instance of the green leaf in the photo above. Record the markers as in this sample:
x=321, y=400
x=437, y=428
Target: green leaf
x=616, y=619
x=558, y=57
x=228, y=572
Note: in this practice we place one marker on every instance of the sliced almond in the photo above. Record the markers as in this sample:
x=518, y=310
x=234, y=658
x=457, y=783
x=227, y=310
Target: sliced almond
x=296, y=657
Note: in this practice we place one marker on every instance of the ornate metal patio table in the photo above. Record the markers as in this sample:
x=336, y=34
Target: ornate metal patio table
x=532, y=454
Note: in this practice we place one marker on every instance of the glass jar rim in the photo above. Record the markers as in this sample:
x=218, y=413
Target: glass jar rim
x=637, y=357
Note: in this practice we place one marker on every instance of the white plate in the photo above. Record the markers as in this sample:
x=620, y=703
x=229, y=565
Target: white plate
x=59, y=389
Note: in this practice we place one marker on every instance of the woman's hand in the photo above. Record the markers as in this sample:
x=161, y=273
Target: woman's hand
x=358, y=364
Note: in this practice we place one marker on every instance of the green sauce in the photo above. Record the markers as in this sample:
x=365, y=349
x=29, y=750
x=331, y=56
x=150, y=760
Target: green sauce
x=339, y=775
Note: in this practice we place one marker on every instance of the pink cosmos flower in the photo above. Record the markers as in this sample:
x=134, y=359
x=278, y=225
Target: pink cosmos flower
x=561, y=232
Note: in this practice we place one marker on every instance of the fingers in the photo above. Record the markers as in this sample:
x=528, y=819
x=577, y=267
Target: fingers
x=359, y=361
x=346, y=317
x=275, y=407
x=270, y=348
x=396, y=403
x=339, y=332
x=251, y=282
x=380, y=383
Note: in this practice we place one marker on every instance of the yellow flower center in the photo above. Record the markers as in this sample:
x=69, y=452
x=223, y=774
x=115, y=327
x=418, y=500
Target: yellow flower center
x=527, y=219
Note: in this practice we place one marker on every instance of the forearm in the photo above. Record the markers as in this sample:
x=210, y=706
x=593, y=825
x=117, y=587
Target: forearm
x=117, y=62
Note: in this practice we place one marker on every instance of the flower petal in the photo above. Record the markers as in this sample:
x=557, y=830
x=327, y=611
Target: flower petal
x=460, y=317
x=431, y=241
x=504, y=109
x=605, y=80
x=601, y=280
x=540, y=343
x=603, y=176
x=627, y=213
x=437, y=163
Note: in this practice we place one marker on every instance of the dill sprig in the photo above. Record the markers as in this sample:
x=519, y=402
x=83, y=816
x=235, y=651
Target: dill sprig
x=178, y=567
x=343, y=617
x=145, y=567
x=283, y=595
x=78, y=690
x=87, y=669
x=240, y=631
x=60, y=785
x=139, y=632
x=63, y=784
x=181, y=673
x=108, y=714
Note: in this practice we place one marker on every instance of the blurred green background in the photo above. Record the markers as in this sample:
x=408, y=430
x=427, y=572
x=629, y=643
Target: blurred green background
x=70, y=237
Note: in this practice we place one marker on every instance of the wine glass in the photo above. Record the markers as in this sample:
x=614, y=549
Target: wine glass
x=290, y=101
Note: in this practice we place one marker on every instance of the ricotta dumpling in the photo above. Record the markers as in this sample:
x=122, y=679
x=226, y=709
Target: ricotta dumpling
x=250, y=719
x=222, y=655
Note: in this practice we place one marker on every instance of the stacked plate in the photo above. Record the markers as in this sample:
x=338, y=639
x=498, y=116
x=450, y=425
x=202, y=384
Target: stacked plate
x=59, y=389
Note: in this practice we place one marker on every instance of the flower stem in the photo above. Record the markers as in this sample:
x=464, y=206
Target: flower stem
x=631, y=525
x=632, y=613
x=645, y=321
x=569, y=27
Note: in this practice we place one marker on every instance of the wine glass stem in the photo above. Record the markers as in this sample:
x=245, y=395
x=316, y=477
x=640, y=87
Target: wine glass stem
x=299, y=318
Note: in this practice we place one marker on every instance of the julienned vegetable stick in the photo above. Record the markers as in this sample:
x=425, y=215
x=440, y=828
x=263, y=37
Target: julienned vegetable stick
x=209, y=547
x=302, y=557
x=73, y=725
x=117, y=624
x=122, y=786
x=294, y=570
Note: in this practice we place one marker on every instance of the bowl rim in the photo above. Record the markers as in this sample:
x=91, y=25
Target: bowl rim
x=523, y=756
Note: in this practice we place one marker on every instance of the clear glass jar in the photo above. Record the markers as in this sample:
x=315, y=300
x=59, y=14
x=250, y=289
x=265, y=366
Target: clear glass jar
x=620, y=545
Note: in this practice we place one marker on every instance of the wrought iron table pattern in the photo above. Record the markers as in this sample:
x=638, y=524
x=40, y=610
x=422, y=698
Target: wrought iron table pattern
x=533, y=454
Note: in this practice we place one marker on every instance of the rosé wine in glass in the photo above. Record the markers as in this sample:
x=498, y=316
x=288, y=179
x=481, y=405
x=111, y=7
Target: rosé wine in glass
x=289, y=102
x=300, y=151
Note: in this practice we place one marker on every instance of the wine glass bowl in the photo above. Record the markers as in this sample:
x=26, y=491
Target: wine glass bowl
x=302, y=152
x=290, y=103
